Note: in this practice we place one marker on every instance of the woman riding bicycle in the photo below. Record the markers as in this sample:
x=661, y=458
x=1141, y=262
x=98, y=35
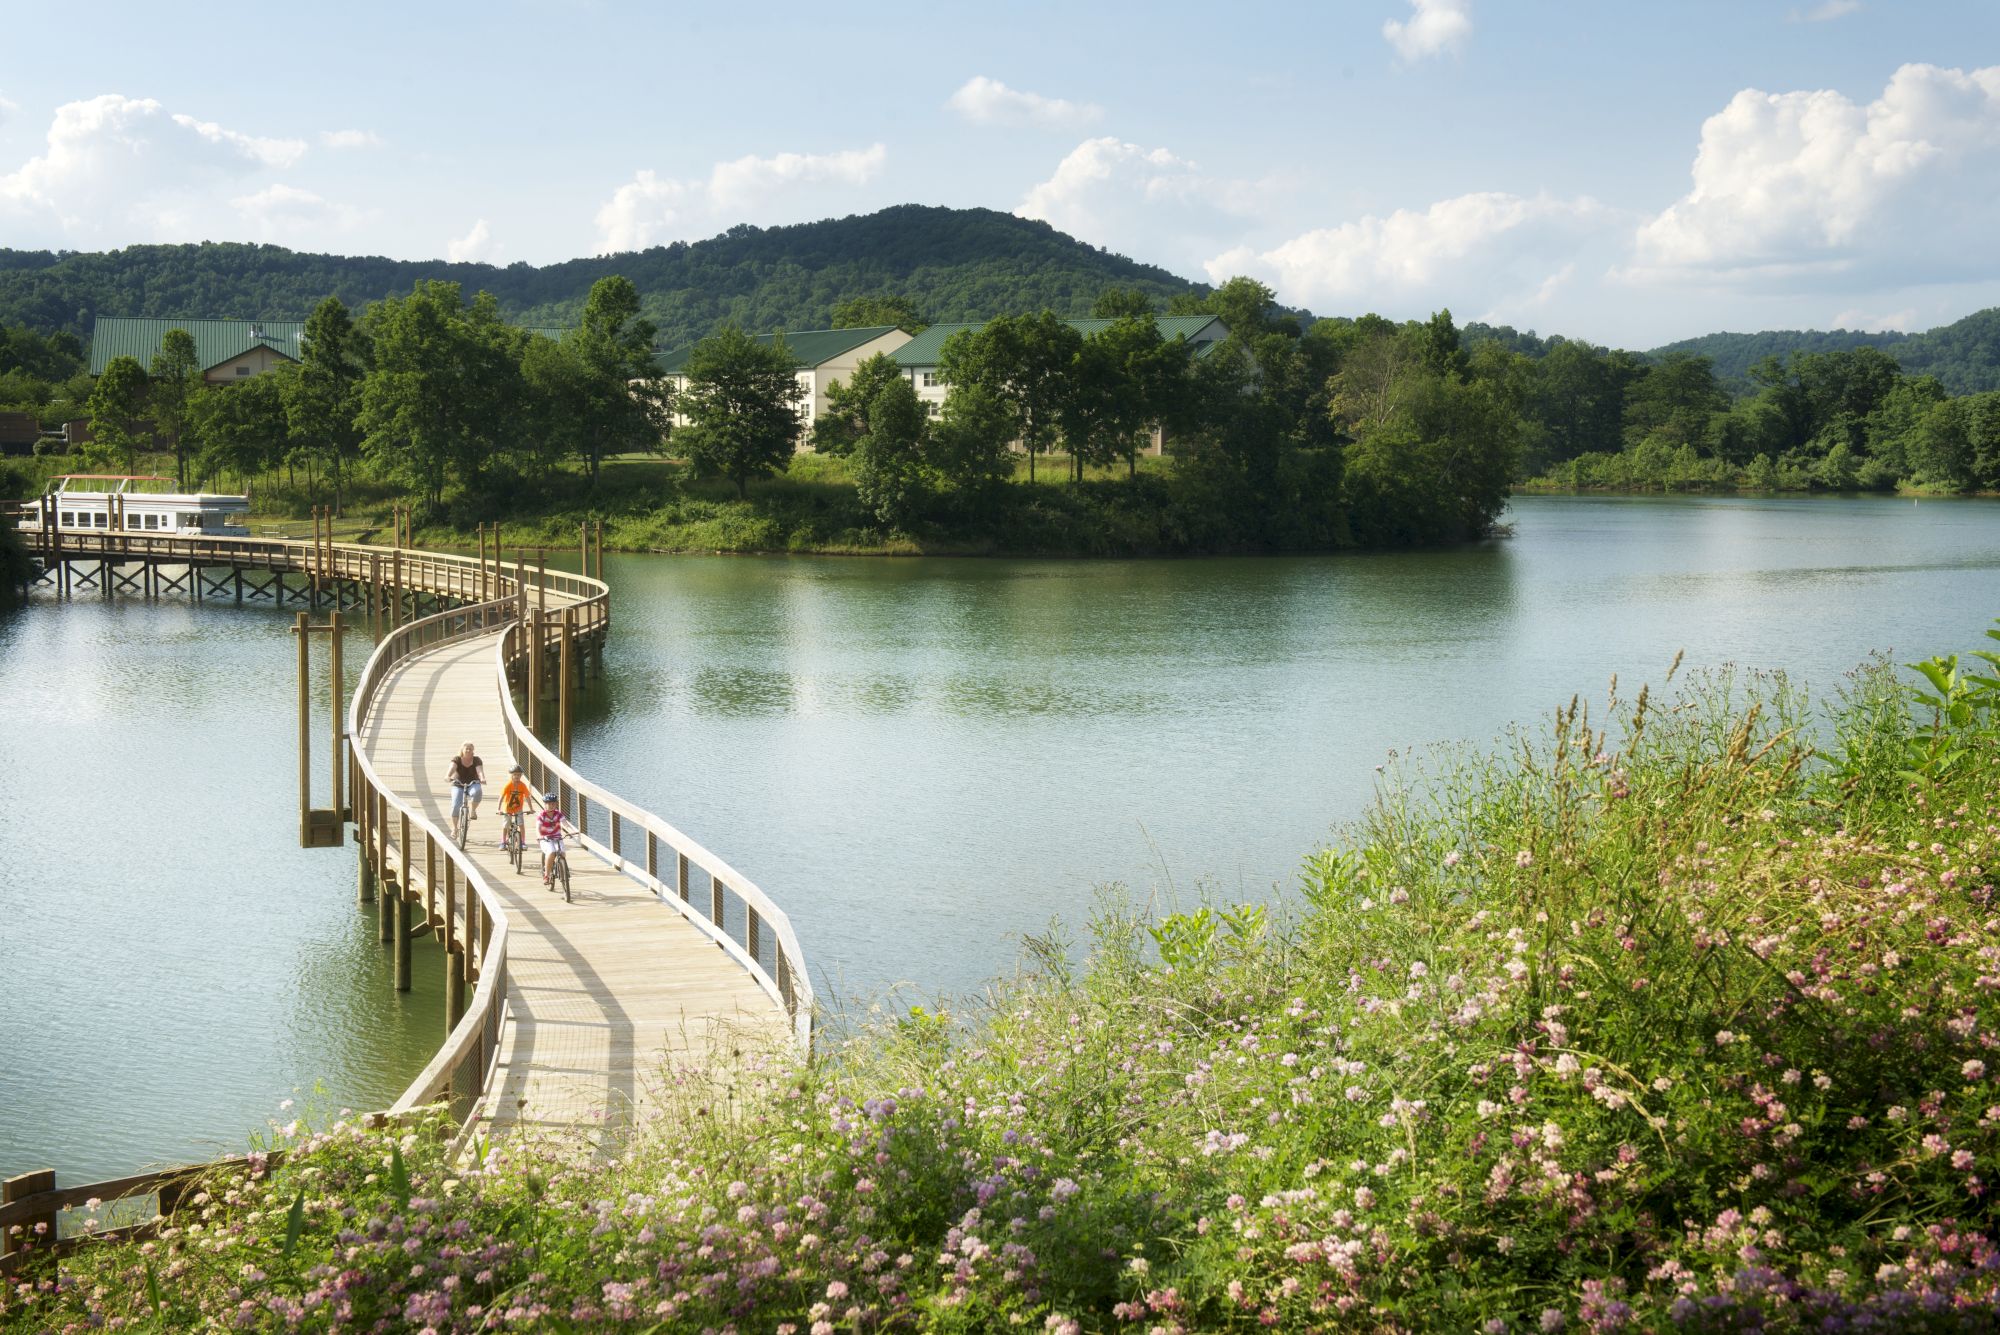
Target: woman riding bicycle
x=468, y=781
x=549, y=832
x=514, y=799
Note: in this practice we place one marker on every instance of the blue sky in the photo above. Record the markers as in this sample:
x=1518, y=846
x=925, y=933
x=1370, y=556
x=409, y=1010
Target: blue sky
x=1627, y=172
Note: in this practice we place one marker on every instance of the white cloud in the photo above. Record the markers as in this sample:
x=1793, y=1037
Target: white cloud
x=122, y=169
x=1434, y=27
x=985, y=101
x=350, y=139
x=292, y=216
x=1487, y=251
x=270, y=152
x=1824, y=13
x=475, y=247
x=1142, y=201
x=746, y=180
x=1810, y=186
x=651, y=208
x=1901, y=321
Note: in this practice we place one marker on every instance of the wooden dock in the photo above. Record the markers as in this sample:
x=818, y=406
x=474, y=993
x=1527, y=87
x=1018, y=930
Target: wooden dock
x=600, y=990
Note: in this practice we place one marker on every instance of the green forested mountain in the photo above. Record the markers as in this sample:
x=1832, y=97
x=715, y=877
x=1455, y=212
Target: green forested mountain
x=954, y=264
x=1964, y=356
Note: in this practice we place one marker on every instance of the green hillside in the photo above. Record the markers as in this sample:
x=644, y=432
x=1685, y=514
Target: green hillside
x=1964, y=356
x=955, y=264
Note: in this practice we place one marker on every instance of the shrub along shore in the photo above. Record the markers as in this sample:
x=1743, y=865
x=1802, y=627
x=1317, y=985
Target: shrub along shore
x=1675, y=1013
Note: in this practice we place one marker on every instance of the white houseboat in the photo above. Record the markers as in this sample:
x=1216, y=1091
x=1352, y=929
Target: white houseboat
x=137, y=504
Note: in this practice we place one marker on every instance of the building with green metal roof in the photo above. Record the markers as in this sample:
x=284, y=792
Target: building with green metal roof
x=824, y=357
x=922, y=351
x=225, y=350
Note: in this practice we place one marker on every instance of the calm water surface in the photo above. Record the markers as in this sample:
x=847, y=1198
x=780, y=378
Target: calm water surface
x=920, y=760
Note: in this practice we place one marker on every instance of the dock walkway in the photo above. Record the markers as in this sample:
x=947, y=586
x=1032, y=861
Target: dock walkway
x=599, y=990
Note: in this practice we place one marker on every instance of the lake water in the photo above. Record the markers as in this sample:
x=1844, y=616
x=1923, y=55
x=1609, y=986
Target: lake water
x=922, y=760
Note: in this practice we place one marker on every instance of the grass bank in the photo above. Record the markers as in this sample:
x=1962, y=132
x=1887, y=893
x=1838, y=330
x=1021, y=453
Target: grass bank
x=1657, y=1017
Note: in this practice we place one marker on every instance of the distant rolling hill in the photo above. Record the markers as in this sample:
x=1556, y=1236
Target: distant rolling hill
x=1964, y=355
x=956, y=264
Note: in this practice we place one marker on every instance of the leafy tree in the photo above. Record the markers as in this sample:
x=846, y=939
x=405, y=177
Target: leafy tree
x=115, y=405
x=845, y=420
x=323, y=397
x=890, y=472
x=623, y=403
x=244, y=428
x=1125, y=378
x=1675, y=400
x=446, y=380
x=741, y=405
x=1119, y=303
x=1022, y=361
x=968, y=450
x=175, y=377
x=866, y=312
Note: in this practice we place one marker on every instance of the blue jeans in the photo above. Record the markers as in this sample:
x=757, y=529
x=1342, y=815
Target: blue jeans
x=462, y=792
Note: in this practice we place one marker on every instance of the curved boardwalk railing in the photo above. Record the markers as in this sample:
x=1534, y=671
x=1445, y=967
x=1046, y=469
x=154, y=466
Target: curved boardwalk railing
x=405, y=847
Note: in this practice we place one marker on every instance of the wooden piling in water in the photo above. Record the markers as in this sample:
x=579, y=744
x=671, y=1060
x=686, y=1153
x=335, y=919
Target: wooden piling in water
x=535, y=678
x=300, y=626
x=337, y=744
x=403, y=941
x=563, y=715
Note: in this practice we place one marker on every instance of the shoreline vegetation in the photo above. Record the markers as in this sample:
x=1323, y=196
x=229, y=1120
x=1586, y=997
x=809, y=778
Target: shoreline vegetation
x=1672, y=1012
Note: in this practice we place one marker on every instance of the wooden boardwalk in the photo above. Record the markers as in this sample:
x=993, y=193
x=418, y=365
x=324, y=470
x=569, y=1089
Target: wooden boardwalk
x=600, y=991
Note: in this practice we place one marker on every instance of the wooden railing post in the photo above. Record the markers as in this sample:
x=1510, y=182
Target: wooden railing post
x=38, y=1230
x=681, y=875
x=715, y=899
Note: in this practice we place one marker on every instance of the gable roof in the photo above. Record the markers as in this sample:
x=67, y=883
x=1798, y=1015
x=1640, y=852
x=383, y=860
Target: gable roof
x=923, y=350
x=215, y=341
x=809, y=347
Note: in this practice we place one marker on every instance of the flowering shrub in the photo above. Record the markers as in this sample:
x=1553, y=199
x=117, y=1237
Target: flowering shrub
x=1675, y=1024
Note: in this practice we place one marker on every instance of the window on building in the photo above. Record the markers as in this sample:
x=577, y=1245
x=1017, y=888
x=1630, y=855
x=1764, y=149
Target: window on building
x=930, y=380
x=932, y=408
x=243, y=370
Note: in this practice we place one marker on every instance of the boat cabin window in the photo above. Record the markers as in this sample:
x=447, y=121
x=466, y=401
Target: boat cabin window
x=100, y=520
x=68, y=519
x=191, y=521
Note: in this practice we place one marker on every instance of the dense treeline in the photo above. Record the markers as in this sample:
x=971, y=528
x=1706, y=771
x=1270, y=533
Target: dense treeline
x=956, y=264
x=1845, y=420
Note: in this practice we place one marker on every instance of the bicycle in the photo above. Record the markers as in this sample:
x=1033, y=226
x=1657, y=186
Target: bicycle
x=511, y=840
x=558, y=871
x=461, y=815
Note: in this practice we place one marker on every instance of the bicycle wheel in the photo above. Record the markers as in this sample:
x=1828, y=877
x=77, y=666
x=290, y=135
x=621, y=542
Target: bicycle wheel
x=460, y=820
x=514, y=842
x=562, y=871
